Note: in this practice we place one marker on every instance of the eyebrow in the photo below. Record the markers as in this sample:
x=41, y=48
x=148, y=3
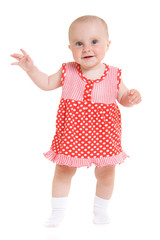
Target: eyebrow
x=91, y=39
x=77, y=40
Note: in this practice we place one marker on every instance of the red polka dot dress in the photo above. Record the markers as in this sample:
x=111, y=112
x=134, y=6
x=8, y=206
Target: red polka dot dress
x=88, y=123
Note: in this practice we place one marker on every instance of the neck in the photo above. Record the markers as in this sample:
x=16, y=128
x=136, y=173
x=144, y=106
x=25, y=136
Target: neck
x=97, y=67
x=93, y=73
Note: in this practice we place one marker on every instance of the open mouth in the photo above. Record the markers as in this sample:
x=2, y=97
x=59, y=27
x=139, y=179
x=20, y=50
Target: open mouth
x=87, y=57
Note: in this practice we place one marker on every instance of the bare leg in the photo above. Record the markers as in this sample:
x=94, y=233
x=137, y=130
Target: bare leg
x=62, y=180
x=60, y=190
x=105, y=181
x=104, y=188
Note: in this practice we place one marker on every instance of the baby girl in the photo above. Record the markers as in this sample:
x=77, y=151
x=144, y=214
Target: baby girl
x=88, y=124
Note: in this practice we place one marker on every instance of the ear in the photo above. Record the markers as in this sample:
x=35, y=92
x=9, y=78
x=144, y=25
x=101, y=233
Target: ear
x=107, y=46
x=108, y=43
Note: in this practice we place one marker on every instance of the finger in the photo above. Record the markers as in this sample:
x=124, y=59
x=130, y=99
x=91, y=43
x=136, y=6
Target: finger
x=135, y=100
x=139, y=100
x=132, y=91
x=128, y=92
x=24, y=52
x=15, y=63
x=132, y=97
x=28, y=58
x=17, y=56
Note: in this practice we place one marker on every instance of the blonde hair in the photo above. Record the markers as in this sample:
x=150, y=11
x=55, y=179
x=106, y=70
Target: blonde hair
x=87, y=18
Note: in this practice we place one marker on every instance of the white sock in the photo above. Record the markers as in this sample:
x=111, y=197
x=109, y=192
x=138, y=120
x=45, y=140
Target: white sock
x=100, y=211
x=59, y=206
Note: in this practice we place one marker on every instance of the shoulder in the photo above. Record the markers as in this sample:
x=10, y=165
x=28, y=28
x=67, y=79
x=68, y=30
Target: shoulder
x=115, y=75
x=116, y=71
x=70, y=64
x=68, y=69
x=113, y=68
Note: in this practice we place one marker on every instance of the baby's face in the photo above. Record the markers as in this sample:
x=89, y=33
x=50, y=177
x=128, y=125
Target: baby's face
x=88, y=43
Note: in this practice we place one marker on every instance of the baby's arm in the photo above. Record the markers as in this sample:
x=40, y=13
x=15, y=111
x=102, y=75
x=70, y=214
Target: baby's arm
x=127, y=97
x=41, y=79
x=44, y=81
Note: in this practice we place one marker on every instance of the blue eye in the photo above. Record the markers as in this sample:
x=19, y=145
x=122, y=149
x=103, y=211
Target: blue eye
x=79, y=44
x=94, y=41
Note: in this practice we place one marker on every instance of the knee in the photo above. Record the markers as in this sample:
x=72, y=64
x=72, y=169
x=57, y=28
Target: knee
x=104, y=172
x=65, y=171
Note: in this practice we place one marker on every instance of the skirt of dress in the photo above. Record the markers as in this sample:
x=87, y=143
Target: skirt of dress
x=87, y=133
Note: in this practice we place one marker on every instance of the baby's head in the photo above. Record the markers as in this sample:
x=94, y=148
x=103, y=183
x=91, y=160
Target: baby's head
x=89, y=40
x=90, y=19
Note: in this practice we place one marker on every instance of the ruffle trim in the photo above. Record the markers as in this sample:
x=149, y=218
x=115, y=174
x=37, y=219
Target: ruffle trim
x=62, y=159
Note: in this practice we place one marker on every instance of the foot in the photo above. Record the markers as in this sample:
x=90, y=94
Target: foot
x=55, y=218
x=101, y=218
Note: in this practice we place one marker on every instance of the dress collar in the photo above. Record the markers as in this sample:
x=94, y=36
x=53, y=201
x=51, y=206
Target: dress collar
x=96, y=80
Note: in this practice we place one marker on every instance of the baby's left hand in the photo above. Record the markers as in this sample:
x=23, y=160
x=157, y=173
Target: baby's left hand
x=134, y=97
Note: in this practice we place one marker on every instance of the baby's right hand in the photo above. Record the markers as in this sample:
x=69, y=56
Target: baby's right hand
x=24, y=61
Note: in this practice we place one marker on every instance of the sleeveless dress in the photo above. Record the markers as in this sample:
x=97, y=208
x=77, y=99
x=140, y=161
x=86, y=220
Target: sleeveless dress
x=88, y=123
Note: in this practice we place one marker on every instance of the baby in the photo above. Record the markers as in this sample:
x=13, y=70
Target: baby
x=88, y=124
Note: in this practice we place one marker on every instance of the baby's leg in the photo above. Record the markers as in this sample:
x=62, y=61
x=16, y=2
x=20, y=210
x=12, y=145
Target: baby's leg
x=62, y=180
x=105, y=181
x=104, y=188
x=60, y=190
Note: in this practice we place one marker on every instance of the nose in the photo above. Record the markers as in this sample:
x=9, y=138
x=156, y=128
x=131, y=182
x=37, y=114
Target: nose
x=86, y=48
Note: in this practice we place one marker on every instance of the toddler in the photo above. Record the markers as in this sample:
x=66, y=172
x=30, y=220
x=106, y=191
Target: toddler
x=88, y=124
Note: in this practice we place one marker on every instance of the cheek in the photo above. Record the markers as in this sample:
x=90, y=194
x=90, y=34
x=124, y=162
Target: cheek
x=100, y=50
x=76, y=53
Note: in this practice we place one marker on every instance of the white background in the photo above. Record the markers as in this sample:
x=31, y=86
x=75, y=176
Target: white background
x=28, y=117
